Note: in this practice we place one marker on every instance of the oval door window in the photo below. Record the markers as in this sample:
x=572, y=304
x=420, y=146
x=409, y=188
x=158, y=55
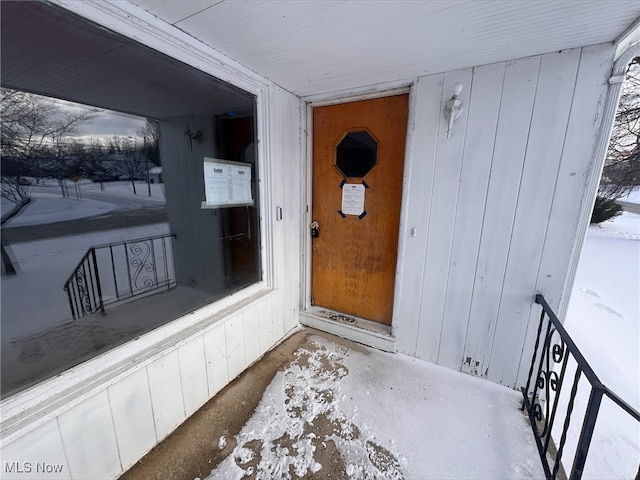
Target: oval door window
x=356, y=154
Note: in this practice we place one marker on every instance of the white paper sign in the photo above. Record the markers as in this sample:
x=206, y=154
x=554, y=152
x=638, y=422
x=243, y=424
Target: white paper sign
x=241, y=180
x=217, y=185
x=353, y=199
x=226, y=183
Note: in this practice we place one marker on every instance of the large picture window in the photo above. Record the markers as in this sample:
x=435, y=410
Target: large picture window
x=104, y=234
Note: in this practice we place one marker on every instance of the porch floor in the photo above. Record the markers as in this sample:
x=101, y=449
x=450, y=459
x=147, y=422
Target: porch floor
x=319, y=406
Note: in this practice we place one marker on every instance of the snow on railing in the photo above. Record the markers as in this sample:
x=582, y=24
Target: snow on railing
x=541, y=400
x=113, y=273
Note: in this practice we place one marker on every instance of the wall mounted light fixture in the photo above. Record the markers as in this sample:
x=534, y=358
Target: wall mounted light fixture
x=452, y=107
x=197, y=136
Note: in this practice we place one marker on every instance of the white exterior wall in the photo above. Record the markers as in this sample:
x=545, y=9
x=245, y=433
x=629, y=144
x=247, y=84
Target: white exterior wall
x=101, y=417
x=495, y=210
x=495, y=207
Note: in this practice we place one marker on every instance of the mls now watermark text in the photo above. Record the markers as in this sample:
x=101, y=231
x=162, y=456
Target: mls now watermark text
x=32, y=467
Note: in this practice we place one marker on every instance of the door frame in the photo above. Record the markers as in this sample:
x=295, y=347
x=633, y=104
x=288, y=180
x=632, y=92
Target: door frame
x=379, y=336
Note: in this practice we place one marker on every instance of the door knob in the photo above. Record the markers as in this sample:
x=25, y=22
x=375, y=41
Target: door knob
x=315, y=230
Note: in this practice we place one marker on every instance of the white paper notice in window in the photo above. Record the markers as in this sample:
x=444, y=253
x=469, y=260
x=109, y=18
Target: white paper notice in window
x=353, y=199
x=241, y=179
x=226, y=183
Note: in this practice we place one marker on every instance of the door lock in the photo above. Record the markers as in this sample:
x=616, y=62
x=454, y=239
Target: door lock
x=315, y=230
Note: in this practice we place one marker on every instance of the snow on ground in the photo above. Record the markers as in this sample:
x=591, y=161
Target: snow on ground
x=632, y=197
x=45, y=265
x=48, y=205
x=49, y=208
x=604, y=321
x=383, y=416
x=627, y=225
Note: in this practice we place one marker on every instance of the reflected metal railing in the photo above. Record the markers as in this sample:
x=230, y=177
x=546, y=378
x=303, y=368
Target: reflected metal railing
x=116, y=272
x=542, y=394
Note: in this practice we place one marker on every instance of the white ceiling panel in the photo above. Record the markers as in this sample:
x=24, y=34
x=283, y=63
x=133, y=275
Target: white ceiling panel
x=174, y=11
x=311, y=47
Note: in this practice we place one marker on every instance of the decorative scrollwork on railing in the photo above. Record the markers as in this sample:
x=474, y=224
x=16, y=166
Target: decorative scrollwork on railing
x=542, y=404
x=99, y=279
x=548, y=382
x=141, y=252
x=83, y=290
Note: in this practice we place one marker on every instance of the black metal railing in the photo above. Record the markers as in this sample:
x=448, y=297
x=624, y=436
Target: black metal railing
x=541, y=399
x=108, y=274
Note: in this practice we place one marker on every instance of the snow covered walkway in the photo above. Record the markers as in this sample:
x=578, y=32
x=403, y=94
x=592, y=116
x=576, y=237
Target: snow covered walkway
x=318, y=406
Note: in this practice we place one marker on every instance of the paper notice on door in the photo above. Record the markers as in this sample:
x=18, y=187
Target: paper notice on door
x=353, y=199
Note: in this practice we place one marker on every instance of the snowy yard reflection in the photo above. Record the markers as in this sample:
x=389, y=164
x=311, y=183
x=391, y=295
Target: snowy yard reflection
x=47, y=240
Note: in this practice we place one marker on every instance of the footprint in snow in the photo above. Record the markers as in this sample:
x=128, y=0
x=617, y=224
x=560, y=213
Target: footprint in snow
x=590, y=292
x=608, y=309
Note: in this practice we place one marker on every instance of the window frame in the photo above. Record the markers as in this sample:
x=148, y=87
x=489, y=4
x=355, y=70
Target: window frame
x=27, y=409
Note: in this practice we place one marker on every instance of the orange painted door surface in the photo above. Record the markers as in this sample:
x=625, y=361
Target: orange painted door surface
x=358, y=150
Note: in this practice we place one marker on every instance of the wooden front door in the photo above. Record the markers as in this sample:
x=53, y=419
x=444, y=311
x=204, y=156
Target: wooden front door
x=358, y=158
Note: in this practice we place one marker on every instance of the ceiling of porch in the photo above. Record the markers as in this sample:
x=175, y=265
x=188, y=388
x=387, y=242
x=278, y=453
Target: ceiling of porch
x=315, y=47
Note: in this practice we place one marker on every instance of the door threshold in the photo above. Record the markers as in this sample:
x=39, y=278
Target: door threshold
x=372, y=334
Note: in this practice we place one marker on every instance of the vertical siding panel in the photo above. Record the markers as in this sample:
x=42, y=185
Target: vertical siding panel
x=89, y=439
x=251, y=327
x=484, y=104
x=285, y=175
x=562, y=228
x=266, y=325
x=423, y=130
x=234, y=333
x=290, y=175
x=215, y=350
x=591, y=88
x=446, y=181
x=165, y=386
x=277, y=187
x=175, y=184
x=508, y=157
x=193, y=373
x=208, y=266
x=195, y=228
x=546, y=137
x=278, y=317
x=132, y=417
x=43, y=445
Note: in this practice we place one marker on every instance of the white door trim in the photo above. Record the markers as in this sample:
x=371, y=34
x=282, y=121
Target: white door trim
x=384, y=340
